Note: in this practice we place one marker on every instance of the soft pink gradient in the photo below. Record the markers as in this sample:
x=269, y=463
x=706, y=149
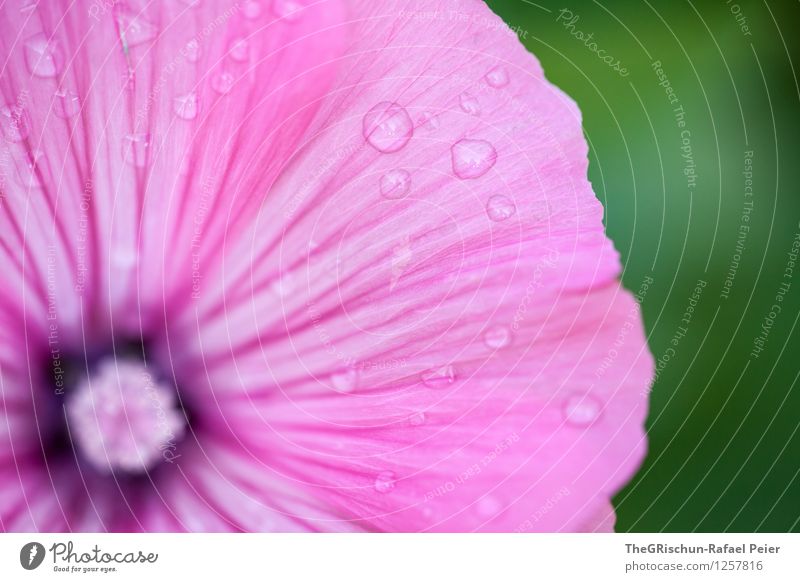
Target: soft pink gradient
x=359, y=242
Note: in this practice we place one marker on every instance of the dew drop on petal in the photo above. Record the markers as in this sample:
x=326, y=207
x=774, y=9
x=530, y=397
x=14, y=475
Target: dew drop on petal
x=239, y=50
x=223, y=82
x=582, y=409
x=186, y=106
x=385, y=481
x=472, y=158
x=134, y=29
x=67, y=104
x=288, y=10
x=439, y=377
x=28, y=176
x=345, y=381
x=429, y=121
x=500, y=208
x=387, y=127
x=497, y=77
x=395, y=184
x=14, y=122
x=417, y=419
x=251, y=9
x=136, y=148
x=488, y=506
x=497, y=337
x=192, y=51
x=42, y=56
x=469, y=104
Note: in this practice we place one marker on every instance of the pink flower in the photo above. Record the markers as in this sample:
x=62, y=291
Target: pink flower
x=282, y=265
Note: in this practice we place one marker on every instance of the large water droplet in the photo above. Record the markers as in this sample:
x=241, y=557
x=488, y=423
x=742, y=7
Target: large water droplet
x=136, y=149
x=497, y=337
x=439, y=377
x=288, y=10
x=387, y=127
x=345, y=380
x=251, y=9
x=395, y=184
x=67, y=104
x=14, y=121
x=472, y=158
x=186, y=106
x=42, y=56
x=239, y=50
x=582, y=409
x=500, y=208
x=222, y=82
x=497, y=77
x=385, y=482
x=469, y=104
x=417, y=419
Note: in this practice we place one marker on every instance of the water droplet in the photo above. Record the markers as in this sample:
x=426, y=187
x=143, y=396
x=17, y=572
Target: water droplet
x=497, y=337
x=186, y=106
x=439, y=377
x=430, y=121
x=136, y=149
x=134, y=29
x=28, y=176
x=68, y=104
x=192, y=51
x=469, y=104
x=42, y=56
x=240, y=50
x=488, y=506
x=385, y=482
x=288, y=10
x=345, y=380
x=472, y=158
x=251, y=9
x=497, y=77
x=284, y=286
x=417, y=419
x=500, y=208
x=582, y=409
x=14, y=121
x=223, y=82
x=387, y=127
x=395, y=184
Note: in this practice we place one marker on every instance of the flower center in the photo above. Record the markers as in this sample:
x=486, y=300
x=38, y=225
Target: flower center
x=122, y=418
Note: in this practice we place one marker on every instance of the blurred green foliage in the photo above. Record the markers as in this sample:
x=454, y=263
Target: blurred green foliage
x=723, y=427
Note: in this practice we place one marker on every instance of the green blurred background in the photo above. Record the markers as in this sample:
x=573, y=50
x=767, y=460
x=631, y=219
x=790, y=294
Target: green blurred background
x=723, y=426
